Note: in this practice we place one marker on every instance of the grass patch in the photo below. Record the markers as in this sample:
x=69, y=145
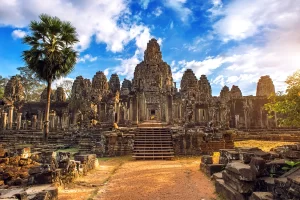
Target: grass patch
x=263, y=145
x=72, y=151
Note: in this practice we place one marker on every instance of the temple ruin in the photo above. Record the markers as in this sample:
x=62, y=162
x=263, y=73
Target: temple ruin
x=151, y=95
x=147, y=117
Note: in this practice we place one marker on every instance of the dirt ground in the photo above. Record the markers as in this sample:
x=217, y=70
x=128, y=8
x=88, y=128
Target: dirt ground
x=127, y=179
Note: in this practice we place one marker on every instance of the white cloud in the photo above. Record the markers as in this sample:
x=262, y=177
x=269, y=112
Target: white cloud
x=239, y=23
x=108, y=21
x=17, y=34
x=274, y=26
x=144, y=3
x=106, y=71
x=178, y=6
x=219, y=80
x=127, y=66
x=217, y=2
x=171, y=25
x=206, y=66
x=87, y=57
x=157, y=12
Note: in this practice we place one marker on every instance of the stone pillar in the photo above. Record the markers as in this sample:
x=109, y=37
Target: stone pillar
x=40, y=120
x=245, y=118
x=117, y=106
x=52, y=120
x=180, y=106
x=25, y=124
x=167, y=110
x=170, y=107
x=237, y=121
x=105, y=113
x=130, y=109
x=99, y=112
x=19, y=121
x=10, y=117
x=4, y=120
x=33, y=123
x=261, y=118
x=275, y=118
x=137, y=109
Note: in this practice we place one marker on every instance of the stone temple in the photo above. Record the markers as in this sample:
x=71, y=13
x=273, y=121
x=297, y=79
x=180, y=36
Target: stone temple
x=151, y=95
x=147, y=117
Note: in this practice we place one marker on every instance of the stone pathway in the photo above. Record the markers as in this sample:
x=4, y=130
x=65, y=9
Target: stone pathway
x=128, y=179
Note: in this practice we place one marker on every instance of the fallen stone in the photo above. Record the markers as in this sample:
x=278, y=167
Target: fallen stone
x=227, y=192
x=210, y=169
x=261, y=196
x=207, y=159
x=243, y=171
x=258, y=165
x=216, y=176
x=244, y=187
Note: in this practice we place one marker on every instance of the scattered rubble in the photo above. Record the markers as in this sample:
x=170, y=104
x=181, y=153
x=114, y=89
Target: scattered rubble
x=250, y=173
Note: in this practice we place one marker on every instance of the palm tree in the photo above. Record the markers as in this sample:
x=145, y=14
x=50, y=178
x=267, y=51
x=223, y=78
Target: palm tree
x=51, y=55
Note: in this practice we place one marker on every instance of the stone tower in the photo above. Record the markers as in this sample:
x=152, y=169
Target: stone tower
x=235, y=92
x=189, y=85
x=225, y=93
x=114, y=83
x=59, y=95
x=99, y=82
x=265, y=86
x=14, y=89
x=153, y=86
x=81, y=89
x=126, y=87
x=204, y=88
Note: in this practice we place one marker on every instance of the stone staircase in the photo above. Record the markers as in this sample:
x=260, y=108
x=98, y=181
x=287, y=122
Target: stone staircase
x=153, y=143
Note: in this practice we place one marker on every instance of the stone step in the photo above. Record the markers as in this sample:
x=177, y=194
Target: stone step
x=148, y=157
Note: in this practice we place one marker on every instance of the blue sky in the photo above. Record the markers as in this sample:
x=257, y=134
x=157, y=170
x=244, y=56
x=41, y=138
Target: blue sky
x=233, y=42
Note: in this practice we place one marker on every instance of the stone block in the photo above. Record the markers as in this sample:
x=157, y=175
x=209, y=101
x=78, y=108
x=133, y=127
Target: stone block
x=227, y=192
x=261, y=196
x=275, y=167
x=262, y=154
x=14, y=160
x=258, y=165
x=243, y=171
x=207, y=159
x=35, y=170
x=210, y=169
x=290, y=154
x=216, y=176
x=3, y=152
x=244, y=187
x=4, y=161
x=246, y=157
x=223, y=160
x=265, y=184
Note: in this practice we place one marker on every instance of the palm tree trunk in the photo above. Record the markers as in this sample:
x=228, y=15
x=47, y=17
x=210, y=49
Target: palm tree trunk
x=47, y=110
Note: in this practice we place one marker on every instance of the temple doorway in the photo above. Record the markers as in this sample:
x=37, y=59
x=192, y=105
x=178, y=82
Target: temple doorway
x=152, y=114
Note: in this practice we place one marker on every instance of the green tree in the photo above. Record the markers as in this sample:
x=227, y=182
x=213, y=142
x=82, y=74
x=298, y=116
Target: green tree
x=33, y=87
x=51, y=55
x=287, y=106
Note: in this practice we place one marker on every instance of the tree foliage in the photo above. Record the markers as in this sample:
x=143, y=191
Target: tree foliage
x=33, y=87
x=51, y=55
x=287, y=105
